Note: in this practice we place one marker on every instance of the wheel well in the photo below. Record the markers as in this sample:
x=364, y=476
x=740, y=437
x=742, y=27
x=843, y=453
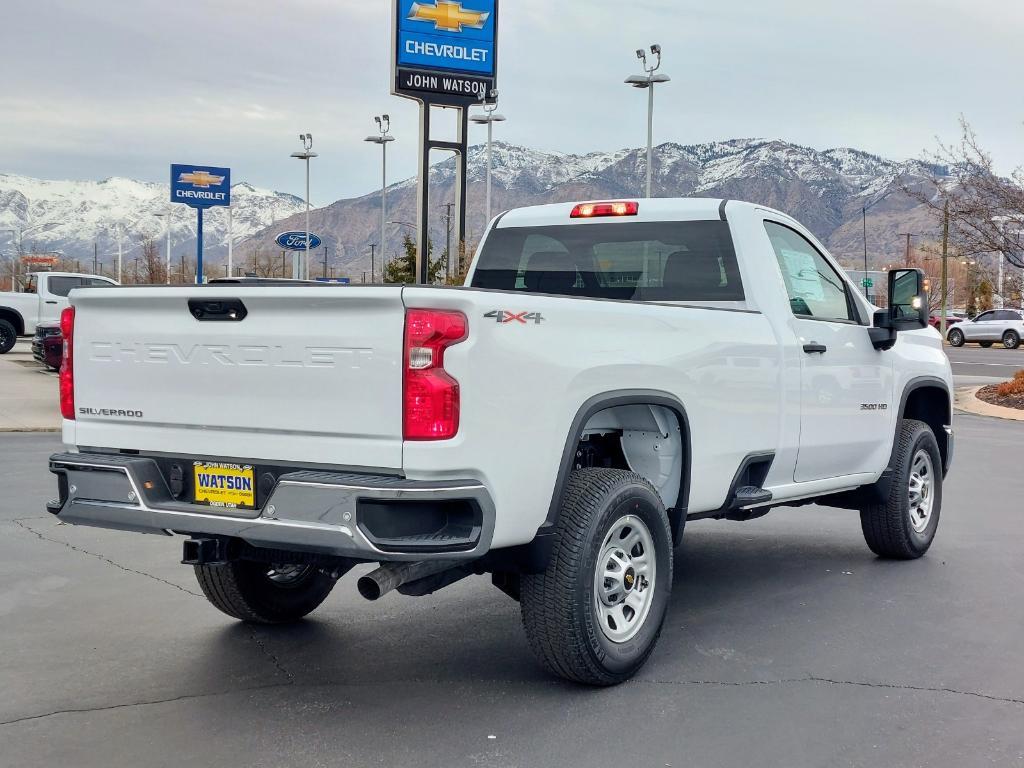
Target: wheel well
x=14, y=318
x=648, y=439
x=930, y=404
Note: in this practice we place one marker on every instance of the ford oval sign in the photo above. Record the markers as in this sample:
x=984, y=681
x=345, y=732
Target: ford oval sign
x=296, y=241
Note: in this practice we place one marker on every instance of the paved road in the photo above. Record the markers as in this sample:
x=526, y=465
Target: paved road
x=787, y=644
x=971, y=360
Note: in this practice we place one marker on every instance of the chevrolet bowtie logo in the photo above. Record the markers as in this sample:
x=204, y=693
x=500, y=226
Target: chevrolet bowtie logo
x=203, y=179
x=448, y=15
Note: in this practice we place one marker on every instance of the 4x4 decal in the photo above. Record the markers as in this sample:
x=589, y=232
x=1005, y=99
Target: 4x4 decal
x=504, y=316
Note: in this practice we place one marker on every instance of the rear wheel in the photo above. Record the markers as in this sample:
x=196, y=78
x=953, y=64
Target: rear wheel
x=262, y=593
x=594, y=615
x=1011, y=339
x=8, y=336
x=904, y=525
x=956, y=337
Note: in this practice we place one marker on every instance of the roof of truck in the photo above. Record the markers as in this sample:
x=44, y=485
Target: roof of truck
x=650, y=209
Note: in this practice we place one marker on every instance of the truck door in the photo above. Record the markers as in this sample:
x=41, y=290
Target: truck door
x=846, y=384
x=53, y=296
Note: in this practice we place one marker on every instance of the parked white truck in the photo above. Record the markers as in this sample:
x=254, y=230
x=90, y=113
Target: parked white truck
x=40, y=302
x=610, y=373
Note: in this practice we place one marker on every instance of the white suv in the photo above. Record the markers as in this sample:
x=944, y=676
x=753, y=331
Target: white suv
x=1005, y=325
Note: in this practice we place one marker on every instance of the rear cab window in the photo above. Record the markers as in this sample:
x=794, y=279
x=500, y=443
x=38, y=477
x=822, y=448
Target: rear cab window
x=665, y=261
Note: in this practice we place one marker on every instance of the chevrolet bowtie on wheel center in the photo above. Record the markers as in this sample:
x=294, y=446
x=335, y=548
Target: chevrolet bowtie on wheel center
x=611, y=373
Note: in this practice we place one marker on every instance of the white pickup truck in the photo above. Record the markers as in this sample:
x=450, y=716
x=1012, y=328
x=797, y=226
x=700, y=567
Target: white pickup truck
x=40, y=302
x=610, y=373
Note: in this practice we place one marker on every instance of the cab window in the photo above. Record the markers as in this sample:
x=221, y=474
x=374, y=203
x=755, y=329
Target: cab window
x=815, y=289
x=62, y=286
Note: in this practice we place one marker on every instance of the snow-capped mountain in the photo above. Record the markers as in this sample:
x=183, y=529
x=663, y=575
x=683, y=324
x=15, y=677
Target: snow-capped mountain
x=824, y=189
x=76, y=216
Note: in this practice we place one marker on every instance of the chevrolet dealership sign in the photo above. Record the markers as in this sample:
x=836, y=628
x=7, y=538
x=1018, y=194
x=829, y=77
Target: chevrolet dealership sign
x=445, y=48
x=200, y=186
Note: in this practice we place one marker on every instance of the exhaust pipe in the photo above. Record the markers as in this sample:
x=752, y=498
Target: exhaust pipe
x=378, y=583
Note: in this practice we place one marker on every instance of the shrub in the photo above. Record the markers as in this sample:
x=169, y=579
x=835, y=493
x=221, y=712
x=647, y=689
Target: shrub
x=1012, y=388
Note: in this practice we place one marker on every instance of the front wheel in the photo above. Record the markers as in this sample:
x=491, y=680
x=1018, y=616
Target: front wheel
x=8, y=336
x=956, y=337
x=261, y=593
x=595, y=614
x=1011, y=339
x=903, y=526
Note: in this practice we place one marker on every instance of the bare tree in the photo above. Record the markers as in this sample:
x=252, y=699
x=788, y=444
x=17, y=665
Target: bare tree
x=152, y=269
x=986, y=210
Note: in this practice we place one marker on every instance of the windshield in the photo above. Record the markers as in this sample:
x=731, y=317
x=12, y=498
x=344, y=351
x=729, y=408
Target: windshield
x=637, y=261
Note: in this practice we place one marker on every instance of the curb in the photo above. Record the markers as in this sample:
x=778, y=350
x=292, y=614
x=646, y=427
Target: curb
x=966, y=400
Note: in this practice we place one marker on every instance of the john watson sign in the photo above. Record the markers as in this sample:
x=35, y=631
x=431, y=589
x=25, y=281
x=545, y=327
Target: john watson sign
x=446, y=48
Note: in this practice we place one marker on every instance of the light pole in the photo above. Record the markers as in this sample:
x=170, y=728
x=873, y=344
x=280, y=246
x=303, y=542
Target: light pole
x=307, y=155
x=167, y=225
x=120, y=250
x=648, y=81
x=382, y=138
x=10, y=254
x=489, y=118
x=231, y=244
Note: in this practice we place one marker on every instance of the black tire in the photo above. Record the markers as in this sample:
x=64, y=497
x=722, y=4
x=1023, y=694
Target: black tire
x=956, y=337
x=8, y=336
x=888, y=527
x=245, y=590
x=985, y=344
x=1011, y=339
x=560, y=606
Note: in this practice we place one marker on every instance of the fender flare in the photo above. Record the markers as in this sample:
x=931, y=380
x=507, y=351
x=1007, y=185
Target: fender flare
x=604, y=401
x=20, y=329
x=881, y=486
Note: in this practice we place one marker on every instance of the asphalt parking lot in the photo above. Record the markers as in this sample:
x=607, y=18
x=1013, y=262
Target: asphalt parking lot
x=787, y=643
x=972, y=361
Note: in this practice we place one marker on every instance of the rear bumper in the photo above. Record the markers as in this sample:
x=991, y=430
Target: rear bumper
x=366, y=517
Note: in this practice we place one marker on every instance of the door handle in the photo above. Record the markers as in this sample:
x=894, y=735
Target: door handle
x=815, y=348
x=50, y=302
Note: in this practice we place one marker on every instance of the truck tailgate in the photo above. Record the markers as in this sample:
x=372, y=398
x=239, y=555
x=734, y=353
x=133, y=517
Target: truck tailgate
x=310, y=375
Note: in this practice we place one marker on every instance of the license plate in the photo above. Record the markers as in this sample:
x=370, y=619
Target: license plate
x=224, y=485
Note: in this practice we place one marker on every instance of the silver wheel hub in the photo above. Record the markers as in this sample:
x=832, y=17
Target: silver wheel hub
x=624, y=579
x=921, y=490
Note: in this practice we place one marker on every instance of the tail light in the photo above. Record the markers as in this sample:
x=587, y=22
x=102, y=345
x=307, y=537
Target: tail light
x=67, y=365
x=599, y=210
x=430, y=396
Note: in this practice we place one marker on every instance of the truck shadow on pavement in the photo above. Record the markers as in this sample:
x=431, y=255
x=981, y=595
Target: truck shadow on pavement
x=728, y=584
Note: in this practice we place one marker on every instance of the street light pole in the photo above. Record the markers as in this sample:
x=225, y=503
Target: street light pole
x=167, y=222
x=648, y=81
x=383, y=138
x=120, y=250
x=307, y=155
x=230, y=243
x=489, y=118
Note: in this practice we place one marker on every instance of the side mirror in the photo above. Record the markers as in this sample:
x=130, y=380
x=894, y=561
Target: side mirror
x=908, y=300
x=907, y=310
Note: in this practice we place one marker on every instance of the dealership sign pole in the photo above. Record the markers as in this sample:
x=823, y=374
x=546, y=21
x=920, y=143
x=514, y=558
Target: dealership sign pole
x=444, y=55
x=200, y=187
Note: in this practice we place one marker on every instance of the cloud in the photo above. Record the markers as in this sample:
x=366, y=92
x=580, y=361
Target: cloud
x=126, y=88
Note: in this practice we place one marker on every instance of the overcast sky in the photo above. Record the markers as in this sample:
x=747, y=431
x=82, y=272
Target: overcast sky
x=125, y=87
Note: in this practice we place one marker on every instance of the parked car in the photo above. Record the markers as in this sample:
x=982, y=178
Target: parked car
x=41, y=300
x=1005, y=325
x=952, y=318
x=611, y=374
x=48, y=345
